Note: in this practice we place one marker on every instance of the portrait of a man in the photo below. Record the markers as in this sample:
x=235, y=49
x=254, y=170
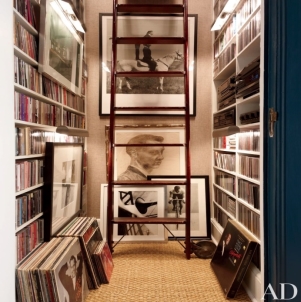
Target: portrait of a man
x=139, y=159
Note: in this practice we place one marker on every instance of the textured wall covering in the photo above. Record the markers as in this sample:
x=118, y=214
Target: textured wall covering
x=200, y=124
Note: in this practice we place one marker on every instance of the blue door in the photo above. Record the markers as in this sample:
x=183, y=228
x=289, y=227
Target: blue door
x=282, y=152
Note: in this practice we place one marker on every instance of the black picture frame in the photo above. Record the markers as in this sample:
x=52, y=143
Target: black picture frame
x=62, y=193
x=137, y=26
x=199, y=229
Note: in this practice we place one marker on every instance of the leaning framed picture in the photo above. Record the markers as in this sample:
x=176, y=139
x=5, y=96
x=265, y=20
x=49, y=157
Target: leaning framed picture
x=134, y=202
x=60, y=47
x=147, y=91
x=137, y=162
x=62, y=185
x=199, y=205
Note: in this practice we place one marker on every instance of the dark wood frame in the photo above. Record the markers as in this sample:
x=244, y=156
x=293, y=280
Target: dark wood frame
x=103, y=111
x=49, y=170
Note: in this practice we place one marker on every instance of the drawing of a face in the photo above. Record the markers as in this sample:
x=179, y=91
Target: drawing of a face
x=150, y=157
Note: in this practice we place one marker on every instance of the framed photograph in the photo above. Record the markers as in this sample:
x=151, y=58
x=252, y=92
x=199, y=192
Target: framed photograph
x=134, y=202
x=199, y=205
x=147, y=91
x=63, y=185
x=60, y=47
x=136, y=163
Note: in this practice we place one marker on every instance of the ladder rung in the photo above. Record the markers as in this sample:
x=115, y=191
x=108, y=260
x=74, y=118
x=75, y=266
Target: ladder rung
x=149, y=74
x=150, y=108
x=152, y=40
x=146, y=220
x=149, y=145
x=150, y=8
x=149, y=182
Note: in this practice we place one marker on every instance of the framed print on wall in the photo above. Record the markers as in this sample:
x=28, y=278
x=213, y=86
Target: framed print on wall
x=133, y=163
x=146, y=91
x=199, y=205
x=63, y=185
x=60, y=47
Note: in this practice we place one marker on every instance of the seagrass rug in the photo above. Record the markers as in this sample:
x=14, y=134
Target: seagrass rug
x=148, y=272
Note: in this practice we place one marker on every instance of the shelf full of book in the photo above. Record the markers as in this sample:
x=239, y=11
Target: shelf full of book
x=236, y=103
x=41, y=103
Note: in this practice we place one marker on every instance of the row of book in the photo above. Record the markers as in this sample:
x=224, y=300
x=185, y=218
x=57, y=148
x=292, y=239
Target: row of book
x=33, y=111
x=28, y=206
x=30, y=141
x=225, y=142
x=25, y=41
x=220, y=216
x=27, y=76
x=224, y=160
x=249, y=140
x=71, y=119
x=225, y=180
x=225, y=201
x=29, y=238
x=246, y=9
x=26, y=9
x=224, y=59
x=249, y=166
x=249, y=219
x=28, y=173
x=249, y=32
x=249, y=192
x=60, y=94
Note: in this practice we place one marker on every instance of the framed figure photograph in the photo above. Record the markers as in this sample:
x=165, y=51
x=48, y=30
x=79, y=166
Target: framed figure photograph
x=137, y=162
x=60, y=47
x=147, y=91
x=175, y=205
x=63, y=185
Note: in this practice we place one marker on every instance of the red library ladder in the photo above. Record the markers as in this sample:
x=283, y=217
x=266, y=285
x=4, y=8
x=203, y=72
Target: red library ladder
x=151, y=10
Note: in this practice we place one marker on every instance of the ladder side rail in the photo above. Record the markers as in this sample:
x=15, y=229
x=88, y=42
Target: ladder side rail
x=187, y=122
x=110, y=208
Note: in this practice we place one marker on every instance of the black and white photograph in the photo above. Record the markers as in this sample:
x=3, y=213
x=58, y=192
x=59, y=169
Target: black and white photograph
x=136, y=163
x=70, y=275
x=147, y=91
x=175, y=205
x=60, y=47
x=139, y=202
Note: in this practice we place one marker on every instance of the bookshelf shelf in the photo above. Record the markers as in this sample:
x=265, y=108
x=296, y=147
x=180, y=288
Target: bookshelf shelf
x=25, y=23
x=27, y=223
x=25, y=57
x=29, y=189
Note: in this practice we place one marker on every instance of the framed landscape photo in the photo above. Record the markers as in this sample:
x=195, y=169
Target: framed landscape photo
x=199, y=205
x=60, y=47
x=147, y=91
x=63, y=185
x=136, y=163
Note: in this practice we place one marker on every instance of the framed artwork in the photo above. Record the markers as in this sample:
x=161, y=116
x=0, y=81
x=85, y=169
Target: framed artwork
x=136, y=163
x=60, y=47
x=134, y=202
x=199, y=205
x=63, y=185
x=147, y=91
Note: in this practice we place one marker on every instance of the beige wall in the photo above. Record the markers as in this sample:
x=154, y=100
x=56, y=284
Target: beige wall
x=200, y=124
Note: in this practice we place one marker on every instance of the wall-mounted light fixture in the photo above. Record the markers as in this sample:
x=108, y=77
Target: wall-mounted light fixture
x=224, y=14
x=72, y=131
x=225, y=131
x=67, y=8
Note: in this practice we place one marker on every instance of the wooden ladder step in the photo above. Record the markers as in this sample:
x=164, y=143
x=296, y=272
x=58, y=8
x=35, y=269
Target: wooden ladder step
x=149, y=74
x=150, y=8
x=152, y=40
x=148, y=220
x=149, y=182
